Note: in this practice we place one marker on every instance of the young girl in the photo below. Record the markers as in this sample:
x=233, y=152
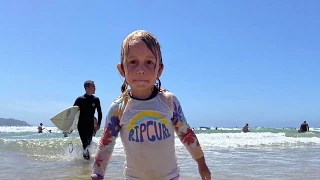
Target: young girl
x=146, y=117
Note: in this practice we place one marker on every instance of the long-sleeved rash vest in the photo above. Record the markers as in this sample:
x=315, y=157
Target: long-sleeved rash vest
x=146, y=128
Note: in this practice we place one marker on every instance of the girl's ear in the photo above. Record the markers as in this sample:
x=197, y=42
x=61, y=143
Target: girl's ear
x=160, y=70
x=121, y=71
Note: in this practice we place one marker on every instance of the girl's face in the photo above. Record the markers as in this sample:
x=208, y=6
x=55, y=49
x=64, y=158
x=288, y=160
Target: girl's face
x=141, y=67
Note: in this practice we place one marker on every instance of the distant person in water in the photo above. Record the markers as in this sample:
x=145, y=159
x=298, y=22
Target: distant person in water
x=245, y=128
x=65, y=134
x=304, y=127
x=40, y=128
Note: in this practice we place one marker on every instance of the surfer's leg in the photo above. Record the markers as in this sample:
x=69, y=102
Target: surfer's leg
x=86, y=138
x=85, y=144
x=90, y=135
x=89, y=139
x=83, y=137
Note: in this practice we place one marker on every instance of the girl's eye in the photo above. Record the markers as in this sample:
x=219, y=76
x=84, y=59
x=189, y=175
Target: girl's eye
x=149, y=62
x=132, y=62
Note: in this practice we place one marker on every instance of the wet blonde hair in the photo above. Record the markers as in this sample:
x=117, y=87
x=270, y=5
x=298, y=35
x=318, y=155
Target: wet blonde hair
x=153, y=45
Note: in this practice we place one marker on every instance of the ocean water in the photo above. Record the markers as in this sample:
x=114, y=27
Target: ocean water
x=263, y=154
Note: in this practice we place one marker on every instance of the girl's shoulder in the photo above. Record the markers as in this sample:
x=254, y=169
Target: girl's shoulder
x=168, y=95
x=168, y=98
x=119, y=104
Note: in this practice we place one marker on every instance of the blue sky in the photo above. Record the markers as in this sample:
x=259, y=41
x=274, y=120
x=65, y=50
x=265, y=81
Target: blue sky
x=229, y=62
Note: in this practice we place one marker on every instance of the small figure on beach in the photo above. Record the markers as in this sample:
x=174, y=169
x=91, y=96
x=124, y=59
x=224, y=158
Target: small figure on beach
x=40, y=128
x=245, y=128
x=142, y=117
x=65, y=134
x=304, y=127
x=88, y=104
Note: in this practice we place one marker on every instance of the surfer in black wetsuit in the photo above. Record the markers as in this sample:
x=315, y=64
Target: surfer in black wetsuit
x=88, y=103
x=304, y=127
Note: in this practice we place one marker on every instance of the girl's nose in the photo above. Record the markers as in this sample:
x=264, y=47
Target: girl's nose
x=141, y=72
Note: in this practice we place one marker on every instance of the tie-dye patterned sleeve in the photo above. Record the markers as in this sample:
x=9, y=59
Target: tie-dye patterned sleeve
x=107, y=142
x=184, y=131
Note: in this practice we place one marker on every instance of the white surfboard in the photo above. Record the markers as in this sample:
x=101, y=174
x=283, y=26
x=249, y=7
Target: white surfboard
x=67, y=119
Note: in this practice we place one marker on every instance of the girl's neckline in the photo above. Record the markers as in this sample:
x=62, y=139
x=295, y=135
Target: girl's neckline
x=153, y=94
